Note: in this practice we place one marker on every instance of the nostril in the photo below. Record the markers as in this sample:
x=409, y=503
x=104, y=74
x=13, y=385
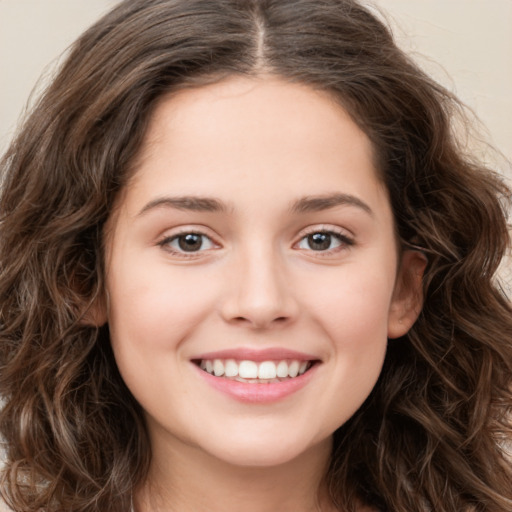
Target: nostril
x=279, y=319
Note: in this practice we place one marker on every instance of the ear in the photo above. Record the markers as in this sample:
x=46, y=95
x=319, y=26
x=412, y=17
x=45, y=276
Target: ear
x=407, y=299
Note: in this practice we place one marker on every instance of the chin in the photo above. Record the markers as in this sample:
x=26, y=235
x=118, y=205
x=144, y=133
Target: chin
x=265, y=452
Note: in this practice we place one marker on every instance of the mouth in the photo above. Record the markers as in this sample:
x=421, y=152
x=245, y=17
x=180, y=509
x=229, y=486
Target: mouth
x=255, y=372
x=262, y=376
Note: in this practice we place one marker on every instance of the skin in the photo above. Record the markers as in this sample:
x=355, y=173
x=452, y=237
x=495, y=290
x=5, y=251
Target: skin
x=259, y=149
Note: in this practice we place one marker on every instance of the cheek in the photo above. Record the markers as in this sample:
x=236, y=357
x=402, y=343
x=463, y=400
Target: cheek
x=352, y=313
x=156, y=305
x=151, y=315
x=353, y=303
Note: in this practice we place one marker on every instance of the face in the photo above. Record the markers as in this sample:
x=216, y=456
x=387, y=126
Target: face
x=253, y=276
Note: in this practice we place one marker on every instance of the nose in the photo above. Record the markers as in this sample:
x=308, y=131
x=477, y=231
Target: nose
x=260, y=294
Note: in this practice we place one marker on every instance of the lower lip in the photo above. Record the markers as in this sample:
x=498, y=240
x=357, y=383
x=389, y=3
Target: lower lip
x=258, y=393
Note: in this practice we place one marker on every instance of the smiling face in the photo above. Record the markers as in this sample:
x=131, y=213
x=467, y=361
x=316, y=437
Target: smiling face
x=252, y=272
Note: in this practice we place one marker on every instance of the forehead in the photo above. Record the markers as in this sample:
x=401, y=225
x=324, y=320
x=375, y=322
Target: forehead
x=226, y=137
x=260, y=106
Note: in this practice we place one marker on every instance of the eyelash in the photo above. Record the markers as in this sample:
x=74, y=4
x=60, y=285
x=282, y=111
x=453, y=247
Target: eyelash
x=344, y=242
x=165, y=243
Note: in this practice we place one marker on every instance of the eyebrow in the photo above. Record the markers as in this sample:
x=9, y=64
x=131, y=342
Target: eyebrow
x=324, y=202
x=189, y=203
x=209, y=204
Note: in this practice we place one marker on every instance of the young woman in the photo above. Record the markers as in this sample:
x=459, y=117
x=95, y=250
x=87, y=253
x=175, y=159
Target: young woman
x=246, y=266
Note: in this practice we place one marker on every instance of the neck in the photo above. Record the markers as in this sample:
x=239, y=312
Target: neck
x=204, y=482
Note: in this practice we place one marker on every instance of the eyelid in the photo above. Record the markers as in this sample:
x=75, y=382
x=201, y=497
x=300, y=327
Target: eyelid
x=173, y=234
x=345, y=236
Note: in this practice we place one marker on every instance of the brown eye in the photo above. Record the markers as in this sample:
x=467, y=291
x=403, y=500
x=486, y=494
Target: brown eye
x=319, y=241
x=190, y=242
x=324, y=241
x=187, y=243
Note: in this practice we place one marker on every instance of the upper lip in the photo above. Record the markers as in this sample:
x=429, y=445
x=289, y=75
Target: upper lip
x=250, y=354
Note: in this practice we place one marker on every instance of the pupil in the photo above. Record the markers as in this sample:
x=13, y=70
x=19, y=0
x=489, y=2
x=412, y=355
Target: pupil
x=319, y=241
x=190, y=242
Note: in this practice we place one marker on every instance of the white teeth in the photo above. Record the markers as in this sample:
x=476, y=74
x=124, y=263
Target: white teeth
x=293, y=369
x=267, y=370
x=231, y=368
x=248, y=370
x=218, y=368
x=282, y=369
x=251, y=371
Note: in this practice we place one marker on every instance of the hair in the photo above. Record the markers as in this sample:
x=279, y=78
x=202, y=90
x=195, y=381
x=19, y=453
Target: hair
x=433, y=433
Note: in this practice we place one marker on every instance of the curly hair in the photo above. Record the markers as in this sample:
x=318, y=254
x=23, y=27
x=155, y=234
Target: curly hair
x=433, y=433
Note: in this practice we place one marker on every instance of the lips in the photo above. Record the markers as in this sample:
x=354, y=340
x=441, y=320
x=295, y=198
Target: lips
x=237, y=373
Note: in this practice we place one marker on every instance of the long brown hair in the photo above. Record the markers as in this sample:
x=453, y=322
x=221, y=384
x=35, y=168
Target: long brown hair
x=433, y=433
